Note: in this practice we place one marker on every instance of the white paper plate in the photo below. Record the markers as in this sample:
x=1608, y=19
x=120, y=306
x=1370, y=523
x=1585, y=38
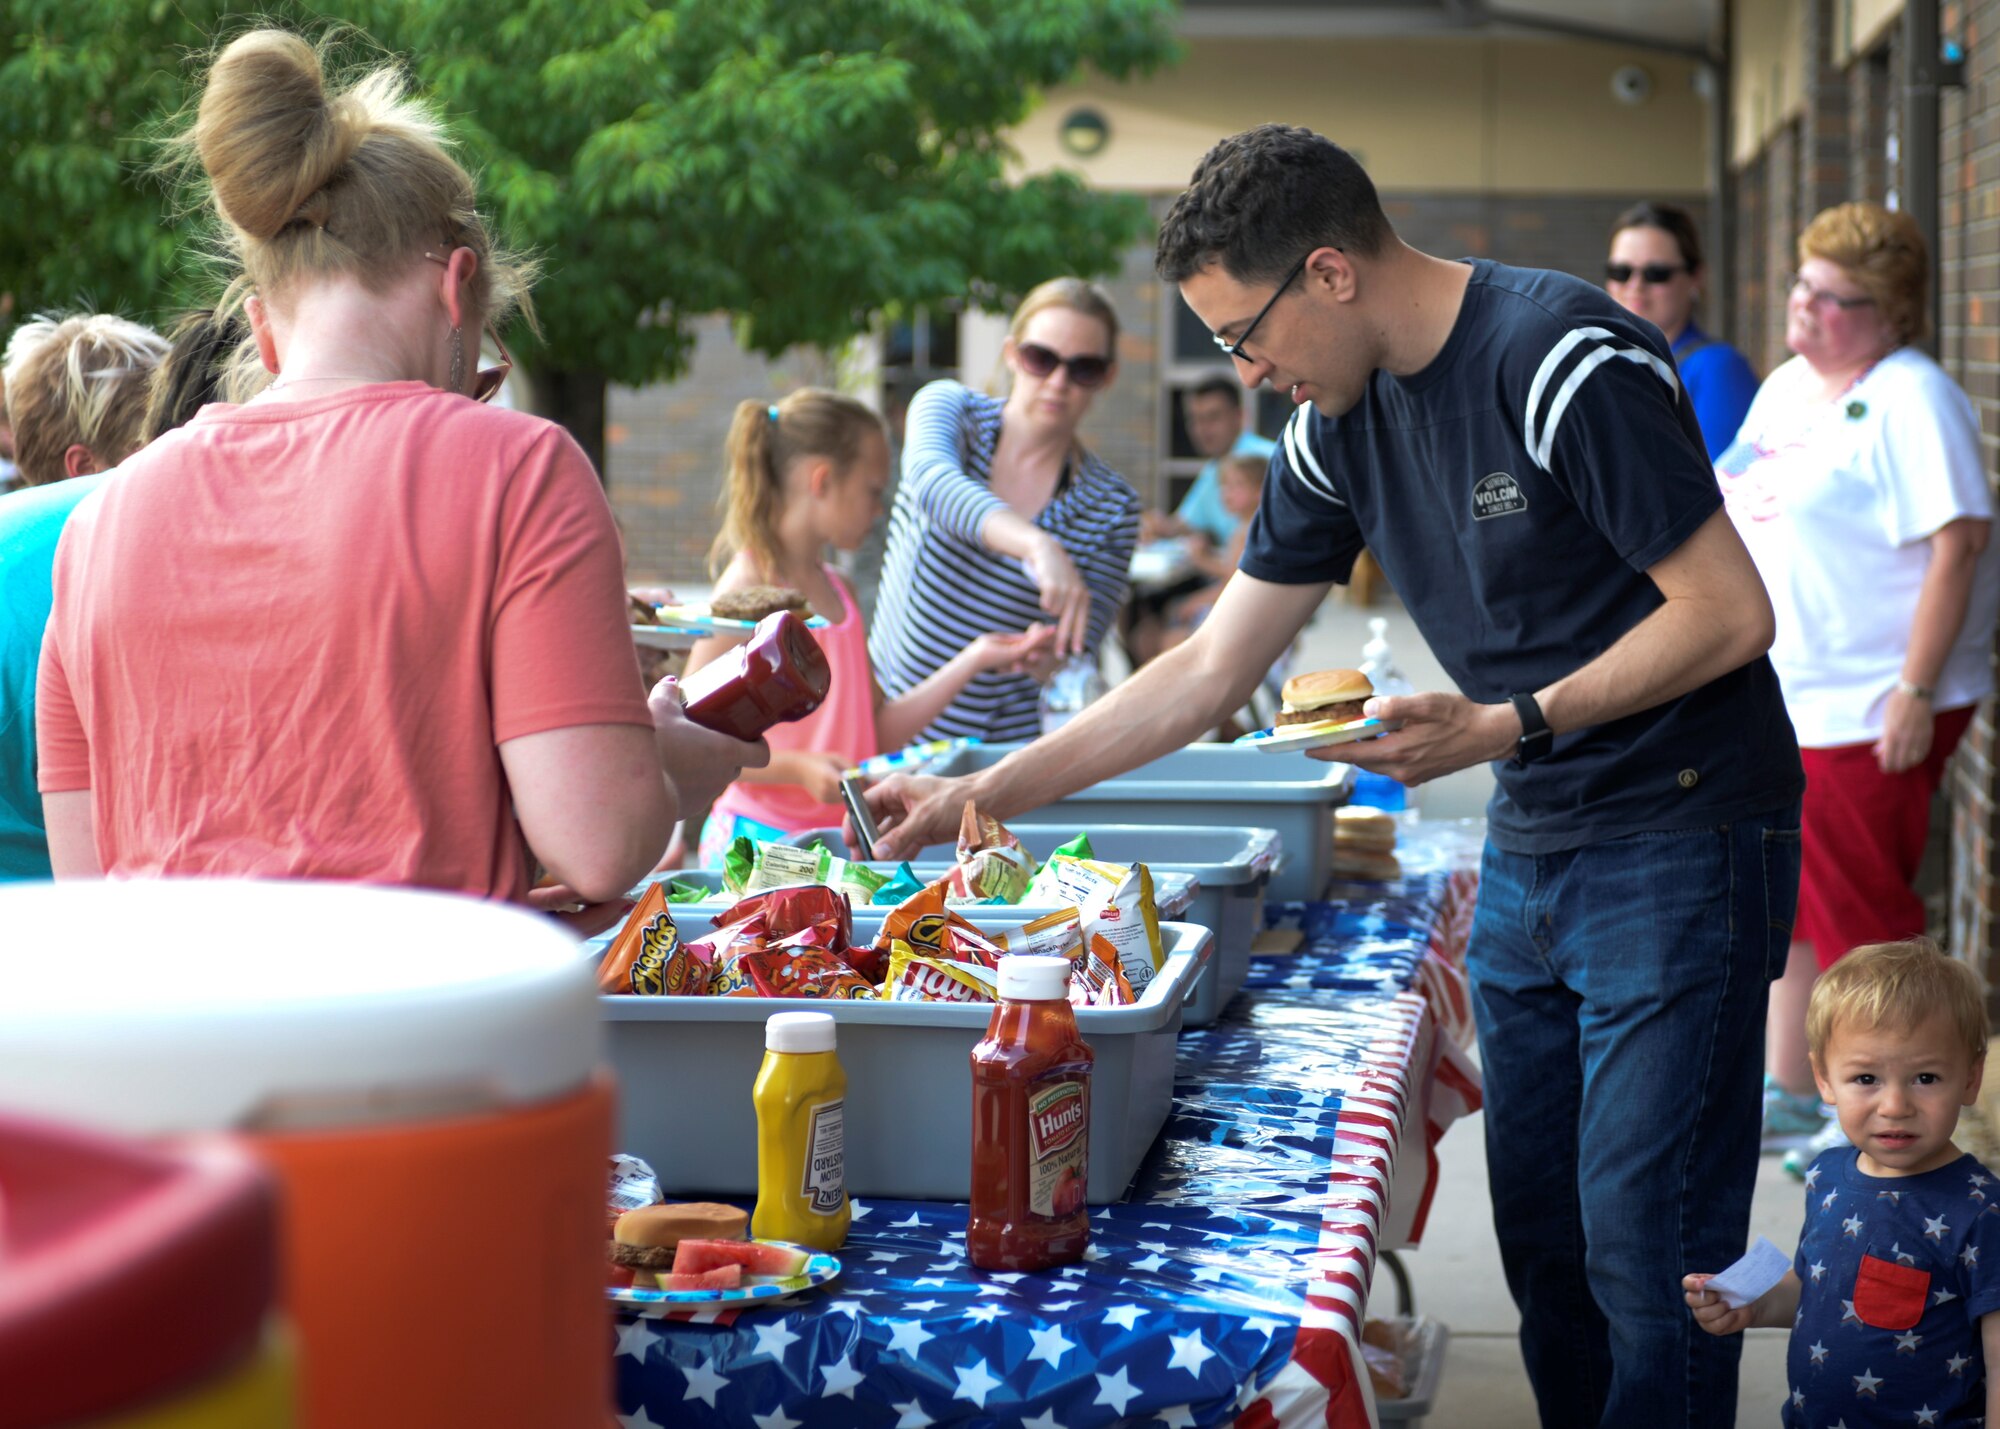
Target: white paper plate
x=821, y=1268
x=1293, y=737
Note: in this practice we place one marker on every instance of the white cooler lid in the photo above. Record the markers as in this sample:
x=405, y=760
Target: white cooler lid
x=149, y=1007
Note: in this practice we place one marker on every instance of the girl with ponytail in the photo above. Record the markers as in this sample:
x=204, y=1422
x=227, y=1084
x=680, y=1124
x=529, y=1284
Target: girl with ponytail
x=804, y=475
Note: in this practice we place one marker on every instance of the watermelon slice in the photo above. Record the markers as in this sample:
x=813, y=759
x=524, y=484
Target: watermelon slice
x=692, y=1257
x=722, y=1277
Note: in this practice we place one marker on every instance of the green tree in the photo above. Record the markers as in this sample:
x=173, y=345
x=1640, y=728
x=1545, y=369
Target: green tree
x=800, y=164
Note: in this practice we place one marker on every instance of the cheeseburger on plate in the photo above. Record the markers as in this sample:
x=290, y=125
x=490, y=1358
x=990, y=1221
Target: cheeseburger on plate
x=1325, y=697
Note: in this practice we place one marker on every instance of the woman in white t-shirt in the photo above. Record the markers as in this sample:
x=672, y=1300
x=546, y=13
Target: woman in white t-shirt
x=1857, y=483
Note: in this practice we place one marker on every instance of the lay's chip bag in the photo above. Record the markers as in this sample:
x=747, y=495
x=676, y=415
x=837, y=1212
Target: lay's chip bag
x=1117, y=904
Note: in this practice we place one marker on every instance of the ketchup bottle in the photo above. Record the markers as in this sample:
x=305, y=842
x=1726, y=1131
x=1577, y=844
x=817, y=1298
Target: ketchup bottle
x=1030, y=1124
x=779, y=674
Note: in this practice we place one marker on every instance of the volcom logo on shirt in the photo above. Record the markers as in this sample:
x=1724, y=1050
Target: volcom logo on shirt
x=1497, y=495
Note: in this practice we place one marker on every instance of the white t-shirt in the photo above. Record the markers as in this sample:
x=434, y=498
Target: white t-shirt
x=1836, y=502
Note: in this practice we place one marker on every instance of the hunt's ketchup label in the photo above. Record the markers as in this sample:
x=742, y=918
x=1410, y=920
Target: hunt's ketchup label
x=1030, y=1124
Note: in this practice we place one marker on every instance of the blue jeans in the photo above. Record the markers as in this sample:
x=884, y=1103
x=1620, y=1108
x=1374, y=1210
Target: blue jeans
x=1620, y=991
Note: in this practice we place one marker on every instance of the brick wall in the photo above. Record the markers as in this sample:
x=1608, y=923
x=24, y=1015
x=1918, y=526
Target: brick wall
x=1969, y=345
x=1851, y=141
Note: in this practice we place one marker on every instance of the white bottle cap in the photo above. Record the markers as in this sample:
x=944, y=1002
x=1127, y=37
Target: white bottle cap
x=1027, y=977
x=799, y=1032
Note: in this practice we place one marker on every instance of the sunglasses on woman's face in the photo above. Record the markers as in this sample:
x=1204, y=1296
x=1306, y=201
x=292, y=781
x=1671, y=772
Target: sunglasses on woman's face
x=490, y=379
x=1654, y=273
x=1087, y=370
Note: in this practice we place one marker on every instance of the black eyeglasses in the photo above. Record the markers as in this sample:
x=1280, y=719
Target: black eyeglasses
x=1235, y=349
x=1087, y=370
x=1654, y=273
x=1815, y=296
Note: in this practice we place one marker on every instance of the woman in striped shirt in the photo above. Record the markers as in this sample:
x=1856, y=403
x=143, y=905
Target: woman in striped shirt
x=1003, y=519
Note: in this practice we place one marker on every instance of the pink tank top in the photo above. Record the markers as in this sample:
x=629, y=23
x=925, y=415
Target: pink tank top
x=844, y=725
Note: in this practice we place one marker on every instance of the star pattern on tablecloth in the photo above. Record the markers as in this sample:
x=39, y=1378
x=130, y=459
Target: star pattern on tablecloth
x=1189, y=1298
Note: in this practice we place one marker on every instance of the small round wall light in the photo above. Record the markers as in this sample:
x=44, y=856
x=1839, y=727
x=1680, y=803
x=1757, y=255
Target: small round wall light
x=1084, y=132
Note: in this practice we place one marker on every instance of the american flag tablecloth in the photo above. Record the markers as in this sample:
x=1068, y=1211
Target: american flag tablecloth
x=1229, y=1288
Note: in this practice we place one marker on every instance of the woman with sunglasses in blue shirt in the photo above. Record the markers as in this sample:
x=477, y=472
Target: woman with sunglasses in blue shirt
x=1004, y=520
x=1655, y=271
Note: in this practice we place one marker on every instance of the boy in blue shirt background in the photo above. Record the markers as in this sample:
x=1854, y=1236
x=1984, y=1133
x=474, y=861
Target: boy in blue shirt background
x=1893, y=1299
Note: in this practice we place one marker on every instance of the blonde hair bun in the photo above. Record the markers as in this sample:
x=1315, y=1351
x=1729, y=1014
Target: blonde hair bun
x=268, y=135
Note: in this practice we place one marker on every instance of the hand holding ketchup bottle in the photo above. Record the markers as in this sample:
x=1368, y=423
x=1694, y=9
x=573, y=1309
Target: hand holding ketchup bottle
x=1030, y=1124
x=779, y=674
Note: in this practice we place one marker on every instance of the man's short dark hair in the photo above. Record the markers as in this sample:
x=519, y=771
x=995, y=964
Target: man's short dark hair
x=1220, y=386
x=1261, y=199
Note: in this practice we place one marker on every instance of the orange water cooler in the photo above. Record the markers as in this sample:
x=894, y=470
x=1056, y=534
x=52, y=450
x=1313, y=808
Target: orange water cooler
x=423, y=1072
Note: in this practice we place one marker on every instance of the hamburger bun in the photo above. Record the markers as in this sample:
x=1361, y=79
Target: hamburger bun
x=645, y=1238
x=1363, y=864
x=1364, y=830
x=754, y=602
x=1325, y=695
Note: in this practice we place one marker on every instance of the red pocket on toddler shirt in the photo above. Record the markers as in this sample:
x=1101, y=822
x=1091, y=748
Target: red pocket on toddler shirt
x=1889, y=1296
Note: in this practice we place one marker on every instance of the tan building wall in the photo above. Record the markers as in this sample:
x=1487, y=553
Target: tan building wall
x=1487, y=115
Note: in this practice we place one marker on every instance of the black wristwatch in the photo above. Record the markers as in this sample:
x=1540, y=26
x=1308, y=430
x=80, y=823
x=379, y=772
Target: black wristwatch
x=1537, y=739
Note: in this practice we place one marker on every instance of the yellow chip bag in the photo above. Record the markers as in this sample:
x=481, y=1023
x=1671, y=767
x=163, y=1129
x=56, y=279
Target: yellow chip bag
x=914, y=977
x=1116, y=902
x=1053, y=935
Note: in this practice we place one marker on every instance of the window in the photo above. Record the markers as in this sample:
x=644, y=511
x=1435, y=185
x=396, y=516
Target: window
x=915, y=350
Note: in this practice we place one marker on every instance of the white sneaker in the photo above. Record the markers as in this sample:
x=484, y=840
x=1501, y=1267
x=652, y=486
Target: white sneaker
x=1800, y=1158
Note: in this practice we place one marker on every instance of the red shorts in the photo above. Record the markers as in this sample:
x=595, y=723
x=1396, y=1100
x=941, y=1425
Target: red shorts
x=1862, y=838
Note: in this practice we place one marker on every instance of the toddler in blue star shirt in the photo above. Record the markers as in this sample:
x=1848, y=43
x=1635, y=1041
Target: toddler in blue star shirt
x=1894, y=1297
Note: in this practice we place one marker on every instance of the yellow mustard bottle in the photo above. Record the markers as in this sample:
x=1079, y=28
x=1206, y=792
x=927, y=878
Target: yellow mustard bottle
x=800, y=1097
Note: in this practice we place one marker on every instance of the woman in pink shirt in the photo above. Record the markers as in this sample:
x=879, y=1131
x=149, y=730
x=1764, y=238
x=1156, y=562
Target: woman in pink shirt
x=362, y=626
x=804, y=476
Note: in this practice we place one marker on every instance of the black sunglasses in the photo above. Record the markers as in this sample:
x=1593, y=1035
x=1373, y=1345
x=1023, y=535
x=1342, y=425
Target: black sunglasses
x=1235, y=349
x=1654, y=273
x=1088, y=370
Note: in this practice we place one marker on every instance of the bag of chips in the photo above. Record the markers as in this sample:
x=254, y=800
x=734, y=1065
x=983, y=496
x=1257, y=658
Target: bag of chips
x=1116, y=901
x=753, y=867
x=992, y=865
x=812, y=915
x=808, y=972
x=901, y=886
x=916, y=977
x=648, y=958
x=1053, y=935
x=1098, y=980
x=928, y=926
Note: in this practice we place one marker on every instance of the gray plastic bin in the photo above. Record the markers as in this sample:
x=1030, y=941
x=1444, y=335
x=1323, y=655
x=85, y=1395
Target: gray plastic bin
x=1209, y=786
x=1232, y=908
x=686, y=1066
x=1173, y=891
x=1230, y=867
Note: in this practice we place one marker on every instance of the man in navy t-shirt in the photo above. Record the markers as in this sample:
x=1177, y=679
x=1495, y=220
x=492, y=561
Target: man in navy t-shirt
x=1519, y=454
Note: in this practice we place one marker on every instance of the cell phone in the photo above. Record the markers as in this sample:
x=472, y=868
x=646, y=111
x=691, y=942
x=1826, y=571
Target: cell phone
x=857, y=810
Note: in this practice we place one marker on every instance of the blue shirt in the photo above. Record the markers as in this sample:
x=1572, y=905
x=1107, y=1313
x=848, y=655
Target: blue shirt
x=1894, y=1273
x=31, y=523
x=1515, y=491
x=1720, y=382
x=1202, y=507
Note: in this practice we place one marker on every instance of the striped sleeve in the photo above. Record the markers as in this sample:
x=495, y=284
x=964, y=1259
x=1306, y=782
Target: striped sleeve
x=1563, y=372
x=937, y=461
x=1304, y=531
x=1606, y=416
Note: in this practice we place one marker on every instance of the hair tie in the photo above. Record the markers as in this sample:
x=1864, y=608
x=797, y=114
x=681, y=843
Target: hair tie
x=771, y=412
